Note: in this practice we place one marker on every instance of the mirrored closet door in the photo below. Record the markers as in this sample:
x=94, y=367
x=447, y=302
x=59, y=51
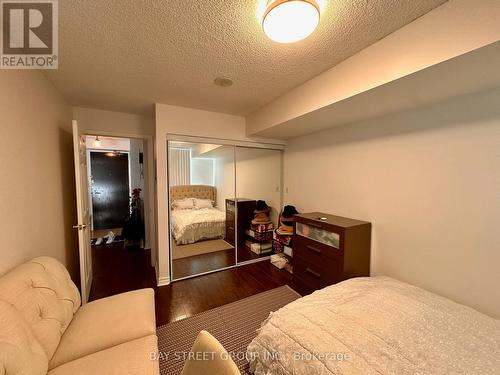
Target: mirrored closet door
x=259, y=196
x=201, y=179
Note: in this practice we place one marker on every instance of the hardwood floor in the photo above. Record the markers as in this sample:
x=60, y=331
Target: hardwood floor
x=191, y=296
x=197, y=264
x=118, y=269
x=245, y=254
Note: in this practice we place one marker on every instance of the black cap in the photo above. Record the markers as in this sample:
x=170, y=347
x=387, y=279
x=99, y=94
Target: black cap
x=289, y=211
x=261, y=206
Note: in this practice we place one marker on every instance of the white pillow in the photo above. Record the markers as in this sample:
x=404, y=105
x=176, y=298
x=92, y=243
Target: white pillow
x=203, y=203
x=183, y=204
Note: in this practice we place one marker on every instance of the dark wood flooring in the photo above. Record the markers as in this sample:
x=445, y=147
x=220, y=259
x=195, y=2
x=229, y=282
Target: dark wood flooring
x=118, y=269
x=245, y=254
x=197, y=264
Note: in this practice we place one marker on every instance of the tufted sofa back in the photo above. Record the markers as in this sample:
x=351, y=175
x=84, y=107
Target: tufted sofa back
x=20, y=352
x=45, y=299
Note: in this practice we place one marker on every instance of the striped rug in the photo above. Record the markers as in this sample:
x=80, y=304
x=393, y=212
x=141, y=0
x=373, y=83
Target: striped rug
x=234, y=325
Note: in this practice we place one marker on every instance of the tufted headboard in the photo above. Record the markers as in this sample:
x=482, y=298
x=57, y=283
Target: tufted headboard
x=193, y=191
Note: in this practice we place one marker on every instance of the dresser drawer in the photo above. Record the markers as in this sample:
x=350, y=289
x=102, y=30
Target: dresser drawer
x=230, y=237
x=230, y=227
x=328, y=249
x=314, y=251
x=317, y=276
x=317, y=232
x=230, y=217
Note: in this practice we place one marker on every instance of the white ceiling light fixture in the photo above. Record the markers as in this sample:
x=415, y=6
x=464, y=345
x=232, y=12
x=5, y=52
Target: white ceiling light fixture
x=288, y=21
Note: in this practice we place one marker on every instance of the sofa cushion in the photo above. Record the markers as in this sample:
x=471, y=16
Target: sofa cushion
x=106, y=322
x=44, y=295
x=136, y=357
x=20, y=352
x=218, y=362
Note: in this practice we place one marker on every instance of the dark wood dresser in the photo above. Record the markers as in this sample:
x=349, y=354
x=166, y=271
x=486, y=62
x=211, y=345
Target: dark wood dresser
x=245, y=215
x=330, y=250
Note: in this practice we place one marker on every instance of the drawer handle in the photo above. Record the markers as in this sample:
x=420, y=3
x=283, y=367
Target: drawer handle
x=230, y=228
x=313, y=249
x=315, y=225
x=314, y=273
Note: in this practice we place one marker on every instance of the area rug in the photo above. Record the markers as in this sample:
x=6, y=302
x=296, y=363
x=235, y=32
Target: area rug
x=234, y=325
x=198, y=248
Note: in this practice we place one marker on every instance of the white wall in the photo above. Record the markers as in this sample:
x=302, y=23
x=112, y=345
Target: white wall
x=188, y=122
x=258, y=176
x=202, y=171
x=428, y=180
x=224, y=175
x=37, y=189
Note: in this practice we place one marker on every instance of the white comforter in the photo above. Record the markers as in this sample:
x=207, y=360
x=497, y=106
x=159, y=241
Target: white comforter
x=190, y=226
x=376, y=326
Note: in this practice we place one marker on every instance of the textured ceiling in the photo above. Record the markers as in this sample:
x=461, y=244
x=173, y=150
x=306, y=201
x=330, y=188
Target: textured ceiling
x=125, y=55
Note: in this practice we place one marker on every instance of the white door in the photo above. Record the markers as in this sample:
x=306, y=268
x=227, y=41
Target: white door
x=83, y=211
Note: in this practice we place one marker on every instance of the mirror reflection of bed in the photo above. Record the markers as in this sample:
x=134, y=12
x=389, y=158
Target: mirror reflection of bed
x=210, y=229
x=201, y=177
x=198, y=231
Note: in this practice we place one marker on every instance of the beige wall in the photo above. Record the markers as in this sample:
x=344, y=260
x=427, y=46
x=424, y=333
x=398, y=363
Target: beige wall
x=428, y=180
x=113, y=122
x=259, y=175
x=107, y=143
x=37, y=187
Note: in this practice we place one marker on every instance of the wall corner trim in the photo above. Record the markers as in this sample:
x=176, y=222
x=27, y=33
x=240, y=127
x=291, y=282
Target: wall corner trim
x=162, y=281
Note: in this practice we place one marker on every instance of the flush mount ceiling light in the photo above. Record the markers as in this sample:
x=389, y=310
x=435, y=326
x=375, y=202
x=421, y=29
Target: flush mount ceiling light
x=288, y=21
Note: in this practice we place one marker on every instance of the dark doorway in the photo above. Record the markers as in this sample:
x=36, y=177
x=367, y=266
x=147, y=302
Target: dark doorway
x=110, y=189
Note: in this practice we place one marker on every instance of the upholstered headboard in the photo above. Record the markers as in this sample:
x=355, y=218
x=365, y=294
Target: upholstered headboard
x=193, y=191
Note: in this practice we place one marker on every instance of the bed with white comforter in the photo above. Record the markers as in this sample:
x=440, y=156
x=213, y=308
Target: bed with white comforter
x=190, y=226
x=376, y=326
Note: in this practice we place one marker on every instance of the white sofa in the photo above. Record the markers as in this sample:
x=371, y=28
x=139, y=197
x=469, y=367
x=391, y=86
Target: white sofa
x=45, y=330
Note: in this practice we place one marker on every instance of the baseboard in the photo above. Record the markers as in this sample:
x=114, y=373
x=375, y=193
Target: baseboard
x=163, y=281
